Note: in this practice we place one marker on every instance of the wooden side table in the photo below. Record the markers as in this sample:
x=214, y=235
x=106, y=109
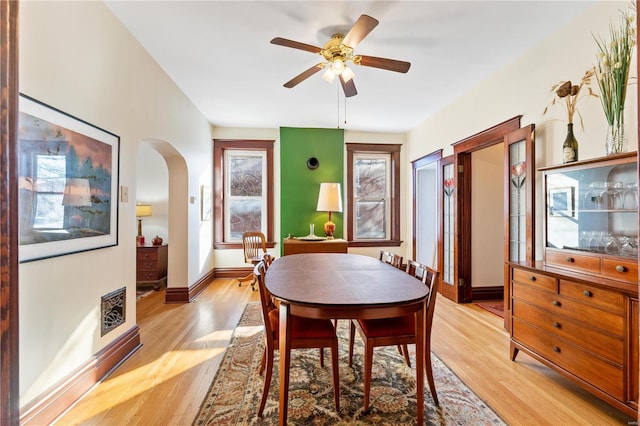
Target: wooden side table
x=151, y=265
x=295, y=246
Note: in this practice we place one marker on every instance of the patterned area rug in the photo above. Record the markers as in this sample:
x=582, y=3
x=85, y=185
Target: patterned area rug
x=235, y=393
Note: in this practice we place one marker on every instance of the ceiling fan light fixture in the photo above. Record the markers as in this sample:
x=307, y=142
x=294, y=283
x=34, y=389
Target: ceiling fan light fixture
x=329, y=75
x=337, y=66
x=347, y=74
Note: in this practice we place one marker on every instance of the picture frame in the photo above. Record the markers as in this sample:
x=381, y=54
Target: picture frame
x=68, y=171
x=205, y=203
x=562, y=201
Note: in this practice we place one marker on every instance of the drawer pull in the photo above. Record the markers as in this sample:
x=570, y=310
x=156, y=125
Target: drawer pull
x=556, y=349
x=532, y=278
x=555, y=303
x=570, y=259
x=556, y=325
x=587, y=293
x=146, y=256
x=621, y=268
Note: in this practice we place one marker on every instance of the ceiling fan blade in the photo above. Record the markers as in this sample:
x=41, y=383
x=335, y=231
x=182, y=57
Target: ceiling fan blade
x=360, y=29
x=385, y=63
x=349, y=87
x=295, y=44
x=303, y=75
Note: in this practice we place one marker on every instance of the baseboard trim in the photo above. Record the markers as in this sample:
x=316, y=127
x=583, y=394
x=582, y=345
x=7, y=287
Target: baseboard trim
x=487, y=293
x=232, y=272
x=187, y=294
x=57, y=399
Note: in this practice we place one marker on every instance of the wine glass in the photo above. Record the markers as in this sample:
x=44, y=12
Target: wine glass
x=630, y=196
x=612, y=190
x=596, y=190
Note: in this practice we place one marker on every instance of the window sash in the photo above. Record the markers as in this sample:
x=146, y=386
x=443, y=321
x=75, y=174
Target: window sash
x=244, y=212
x=366, y=227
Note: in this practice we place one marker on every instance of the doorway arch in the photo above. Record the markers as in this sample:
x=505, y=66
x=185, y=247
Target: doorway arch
x=177, y=206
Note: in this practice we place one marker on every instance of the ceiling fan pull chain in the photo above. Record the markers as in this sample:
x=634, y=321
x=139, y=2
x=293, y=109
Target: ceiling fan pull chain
x=345, y=111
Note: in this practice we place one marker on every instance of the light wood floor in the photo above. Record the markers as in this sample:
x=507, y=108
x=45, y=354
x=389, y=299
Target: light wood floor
x=164, y=382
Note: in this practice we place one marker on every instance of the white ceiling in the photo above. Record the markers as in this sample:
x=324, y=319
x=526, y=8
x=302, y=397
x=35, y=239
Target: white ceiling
x=219, y=54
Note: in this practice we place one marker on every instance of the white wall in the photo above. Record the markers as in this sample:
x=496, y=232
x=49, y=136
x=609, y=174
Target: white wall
x=75, y=56
x=523, y=87
x=487, y=216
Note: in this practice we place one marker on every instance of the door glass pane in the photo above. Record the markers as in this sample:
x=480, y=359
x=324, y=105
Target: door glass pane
x=449, y=189
x=517, y=202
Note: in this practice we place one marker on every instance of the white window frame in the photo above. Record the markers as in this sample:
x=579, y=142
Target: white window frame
x=387, y=192
x=228, y=154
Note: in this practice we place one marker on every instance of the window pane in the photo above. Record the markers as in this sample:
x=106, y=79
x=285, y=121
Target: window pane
x=245, y=176
x=370, y=175
x=370, y=223
x=244, y=216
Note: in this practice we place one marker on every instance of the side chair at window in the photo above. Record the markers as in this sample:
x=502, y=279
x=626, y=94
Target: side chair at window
x=254, y=246
x=305, y=333
x=398, y=331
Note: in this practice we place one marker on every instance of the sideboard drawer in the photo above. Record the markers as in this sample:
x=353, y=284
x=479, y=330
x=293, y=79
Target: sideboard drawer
x=620, y=269
x=573, y=261
x=535, y=279
x=608, y=300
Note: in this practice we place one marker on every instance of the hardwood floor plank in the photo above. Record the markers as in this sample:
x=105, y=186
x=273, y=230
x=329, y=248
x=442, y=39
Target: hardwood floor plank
x=165, y=381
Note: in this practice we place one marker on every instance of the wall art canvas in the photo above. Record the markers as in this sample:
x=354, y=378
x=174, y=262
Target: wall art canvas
x=68, y=183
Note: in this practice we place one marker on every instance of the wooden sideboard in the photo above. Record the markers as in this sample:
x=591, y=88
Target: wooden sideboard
x=151, y=265
x=295, y=246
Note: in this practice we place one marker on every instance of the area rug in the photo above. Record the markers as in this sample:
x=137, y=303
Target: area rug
x=236, y=390
x=495, y=307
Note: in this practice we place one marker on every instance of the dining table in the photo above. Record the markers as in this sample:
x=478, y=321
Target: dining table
x=343, y=286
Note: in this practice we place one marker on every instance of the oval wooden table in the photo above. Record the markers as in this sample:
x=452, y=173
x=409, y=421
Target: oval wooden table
x=343, y=286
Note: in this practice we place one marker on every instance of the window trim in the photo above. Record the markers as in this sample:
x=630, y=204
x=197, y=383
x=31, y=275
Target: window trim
x=394, y=196
x=219, y=147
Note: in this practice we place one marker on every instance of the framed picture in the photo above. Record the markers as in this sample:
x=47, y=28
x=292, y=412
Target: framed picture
x=67, y=183
x=205, y=200
x=562, y=201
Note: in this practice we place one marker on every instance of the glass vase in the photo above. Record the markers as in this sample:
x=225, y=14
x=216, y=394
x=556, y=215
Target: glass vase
x=616, y=141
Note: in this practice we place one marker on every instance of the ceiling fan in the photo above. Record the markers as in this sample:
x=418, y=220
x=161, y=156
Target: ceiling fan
x=338, y=51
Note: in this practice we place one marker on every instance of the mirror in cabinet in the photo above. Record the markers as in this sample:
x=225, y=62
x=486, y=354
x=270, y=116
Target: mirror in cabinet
x=592, y=206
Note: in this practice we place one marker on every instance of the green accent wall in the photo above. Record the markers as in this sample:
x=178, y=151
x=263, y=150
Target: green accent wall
x=299, y=186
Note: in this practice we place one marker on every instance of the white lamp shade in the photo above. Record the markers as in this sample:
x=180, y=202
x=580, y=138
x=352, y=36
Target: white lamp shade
x=330, y=198
x=143, y=210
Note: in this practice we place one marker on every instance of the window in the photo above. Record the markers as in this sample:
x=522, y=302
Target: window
x=373, y=173
x=243, y=182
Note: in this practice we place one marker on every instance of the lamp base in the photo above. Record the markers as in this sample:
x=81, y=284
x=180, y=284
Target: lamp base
x=140, y=240
x=329, y=229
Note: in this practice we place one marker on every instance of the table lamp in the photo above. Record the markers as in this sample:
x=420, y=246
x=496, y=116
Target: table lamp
x=329, y=200
x=142, y=210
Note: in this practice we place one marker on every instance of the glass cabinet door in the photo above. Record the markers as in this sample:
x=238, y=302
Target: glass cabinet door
x=594, y=208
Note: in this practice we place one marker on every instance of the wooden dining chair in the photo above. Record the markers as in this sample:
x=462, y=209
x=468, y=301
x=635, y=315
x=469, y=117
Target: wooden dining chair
x=398, y=331
x=391, y=258
x=305, y=333
x=254, y=246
